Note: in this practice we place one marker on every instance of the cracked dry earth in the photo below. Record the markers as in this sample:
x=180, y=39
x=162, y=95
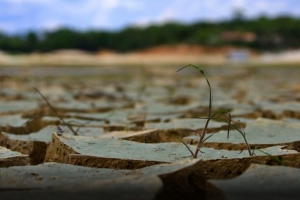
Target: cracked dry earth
x=126, y=120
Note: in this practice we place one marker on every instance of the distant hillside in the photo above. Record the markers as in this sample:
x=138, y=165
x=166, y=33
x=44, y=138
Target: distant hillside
x=258, y=34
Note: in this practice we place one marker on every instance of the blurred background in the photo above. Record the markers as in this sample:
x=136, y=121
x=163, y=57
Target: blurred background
x=213, y=31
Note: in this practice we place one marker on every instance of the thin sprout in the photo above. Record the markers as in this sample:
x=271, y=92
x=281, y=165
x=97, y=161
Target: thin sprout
x=244, y=136
x=55, y=112
x=208, y=83
x=194, y=131
x=206, y=127
x=197, y=149
x=253, y=152
x=82, y=125
x=207, y=137
x=229, y=123
x=202, y=135
x=71, y=121
x=214, y=117
x=210, y=93
x=185, y=146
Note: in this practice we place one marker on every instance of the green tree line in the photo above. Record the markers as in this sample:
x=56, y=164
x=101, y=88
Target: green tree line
x=269, y=34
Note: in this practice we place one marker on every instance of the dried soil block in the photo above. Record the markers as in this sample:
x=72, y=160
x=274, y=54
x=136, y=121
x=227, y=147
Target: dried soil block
x=11, y=158
x=13, y=123
x=233, y=167
x=35, y=144
x=57, y=181
x=122, y=154
x=260, y=132
x=111, y=153
x=53, y=180
x=279, y=110
x=187, y=123
x=262, y=182
x=17, y=106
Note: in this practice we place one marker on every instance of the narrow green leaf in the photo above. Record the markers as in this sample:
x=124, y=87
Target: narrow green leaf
x=218, y=112
x=272, y=156
x=82, y=125
x=184, y=145
x=208, y=83
x=207, y=138
x=229, y=124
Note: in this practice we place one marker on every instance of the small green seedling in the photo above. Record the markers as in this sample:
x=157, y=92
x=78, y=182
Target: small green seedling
x=210, y=117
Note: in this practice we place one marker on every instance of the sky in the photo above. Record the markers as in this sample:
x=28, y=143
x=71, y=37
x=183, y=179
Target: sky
x=17, y=16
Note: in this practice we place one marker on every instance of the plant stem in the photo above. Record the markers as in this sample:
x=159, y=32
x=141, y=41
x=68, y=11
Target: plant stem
x=55, y=112
x=201, y=137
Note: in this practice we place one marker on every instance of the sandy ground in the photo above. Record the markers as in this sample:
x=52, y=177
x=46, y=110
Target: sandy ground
x=79, y=58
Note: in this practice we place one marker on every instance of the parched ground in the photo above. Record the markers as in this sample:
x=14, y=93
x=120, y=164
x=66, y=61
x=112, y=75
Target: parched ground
x=113, y=132
x=173, y=55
